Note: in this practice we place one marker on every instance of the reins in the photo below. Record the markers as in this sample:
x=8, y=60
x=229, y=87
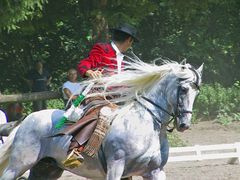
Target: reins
x=155, y=116
x=159, y=122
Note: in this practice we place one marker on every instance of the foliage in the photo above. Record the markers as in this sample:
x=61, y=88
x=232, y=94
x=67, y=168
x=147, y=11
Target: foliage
x=13, y=12
x=27, y=108
x=62, y=33
x=217, y=102
x=55, y=104
x=51, y=104
x=174, y=140
x=61, y=36
x=201, y=31
x=225, y=119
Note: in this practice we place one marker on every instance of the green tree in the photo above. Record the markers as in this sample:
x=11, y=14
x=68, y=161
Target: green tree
x=60, y=34
x=12, y=12
x=201, y=31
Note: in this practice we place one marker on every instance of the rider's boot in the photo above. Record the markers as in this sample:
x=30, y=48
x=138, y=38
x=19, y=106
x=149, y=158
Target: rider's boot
x=75, y=158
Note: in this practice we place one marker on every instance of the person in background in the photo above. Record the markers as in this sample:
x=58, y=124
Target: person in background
x=39, y=80
x=71, y=88
x=14, y=111
x=105, y=58
x=3, y=120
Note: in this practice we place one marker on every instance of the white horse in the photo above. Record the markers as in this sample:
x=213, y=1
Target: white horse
x=136, y=143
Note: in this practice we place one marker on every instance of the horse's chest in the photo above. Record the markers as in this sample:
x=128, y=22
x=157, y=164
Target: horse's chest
x=146, y=163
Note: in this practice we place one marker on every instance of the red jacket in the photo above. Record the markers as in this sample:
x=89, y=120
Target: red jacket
x=102, y=56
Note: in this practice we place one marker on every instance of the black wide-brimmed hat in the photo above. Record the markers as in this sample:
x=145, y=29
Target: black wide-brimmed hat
x=128, y=29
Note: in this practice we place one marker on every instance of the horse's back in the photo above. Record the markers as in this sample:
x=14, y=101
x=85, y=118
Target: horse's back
x=36, y=130
x=36, y=135
x=41, y=121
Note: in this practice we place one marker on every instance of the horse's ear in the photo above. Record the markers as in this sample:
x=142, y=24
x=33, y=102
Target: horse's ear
x=199, y=70
x=184, y=61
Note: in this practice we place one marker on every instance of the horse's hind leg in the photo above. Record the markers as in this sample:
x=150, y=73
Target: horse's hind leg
x=23, y=157
x=45, y=169
x=15, y=169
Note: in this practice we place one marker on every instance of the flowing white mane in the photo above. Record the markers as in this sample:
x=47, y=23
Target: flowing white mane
x=137, y=77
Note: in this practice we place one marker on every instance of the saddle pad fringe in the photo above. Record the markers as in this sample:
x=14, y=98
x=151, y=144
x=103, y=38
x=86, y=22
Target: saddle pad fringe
x=97, y=137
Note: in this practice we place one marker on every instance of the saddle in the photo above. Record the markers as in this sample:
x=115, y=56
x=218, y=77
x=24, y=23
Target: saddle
x=90, y=130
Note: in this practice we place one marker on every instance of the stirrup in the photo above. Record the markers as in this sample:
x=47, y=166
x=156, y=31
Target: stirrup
x=73, y=160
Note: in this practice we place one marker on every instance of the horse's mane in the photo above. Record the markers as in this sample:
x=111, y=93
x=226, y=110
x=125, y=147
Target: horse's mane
x=136, y=78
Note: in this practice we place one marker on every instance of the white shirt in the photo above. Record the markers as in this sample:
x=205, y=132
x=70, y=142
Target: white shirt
x=119, y=56
x=74, y=87
x=3, y=120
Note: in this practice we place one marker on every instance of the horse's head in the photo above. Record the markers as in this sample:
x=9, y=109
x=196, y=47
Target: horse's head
x=181, y=93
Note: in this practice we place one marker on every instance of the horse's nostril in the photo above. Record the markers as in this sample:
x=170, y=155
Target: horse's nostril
x=184, y=126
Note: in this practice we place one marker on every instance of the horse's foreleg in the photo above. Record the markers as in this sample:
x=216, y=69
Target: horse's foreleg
x=155, y=175
x=115, y=169
x=164, y=149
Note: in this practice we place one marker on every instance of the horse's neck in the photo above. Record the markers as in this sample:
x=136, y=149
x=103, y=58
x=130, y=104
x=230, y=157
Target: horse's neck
x=158, y=95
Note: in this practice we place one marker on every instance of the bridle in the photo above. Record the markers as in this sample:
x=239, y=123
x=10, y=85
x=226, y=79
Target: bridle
x=177, y=113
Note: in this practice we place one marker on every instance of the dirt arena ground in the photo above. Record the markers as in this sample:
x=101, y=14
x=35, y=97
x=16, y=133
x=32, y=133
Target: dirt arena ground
x=206, y=133
x=202, y=133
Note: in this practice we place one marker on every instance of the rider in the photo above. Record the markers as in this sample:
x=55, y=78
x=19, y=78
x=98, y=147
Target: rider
x=106, y=58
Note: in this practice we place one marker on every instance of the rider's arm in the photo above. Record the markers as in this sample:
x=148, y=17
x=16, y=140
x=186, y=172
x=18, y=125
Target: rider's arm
x=91, y=62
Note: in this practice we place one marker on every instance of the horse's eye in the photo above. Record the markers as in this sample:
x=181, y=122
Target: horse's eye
x=184, y=89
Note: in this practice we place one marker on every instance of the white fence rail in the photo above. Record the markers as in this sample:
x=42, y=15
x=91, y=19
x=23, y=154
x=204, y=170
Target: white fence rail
x=204, y=152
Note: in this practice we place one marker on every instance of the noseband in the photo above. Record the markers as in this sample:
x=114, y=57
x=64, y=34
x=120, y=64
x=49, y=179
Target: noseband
x=177, y=112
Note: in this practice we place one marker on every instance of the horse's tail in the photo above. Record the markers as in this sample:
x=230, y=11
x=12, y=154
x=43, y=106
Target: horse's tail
x=5, y=150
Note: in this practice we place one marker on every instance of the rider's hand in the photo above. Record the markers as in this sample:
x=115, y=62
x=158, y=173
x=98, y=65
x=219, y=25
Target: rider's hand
x=94, y=74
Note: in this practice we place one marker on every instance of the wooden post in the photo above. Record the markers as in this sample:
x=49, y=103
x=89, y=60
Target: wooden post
x=238, y=151
x=198, y=151
x=30, y=96
x=235, y=159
